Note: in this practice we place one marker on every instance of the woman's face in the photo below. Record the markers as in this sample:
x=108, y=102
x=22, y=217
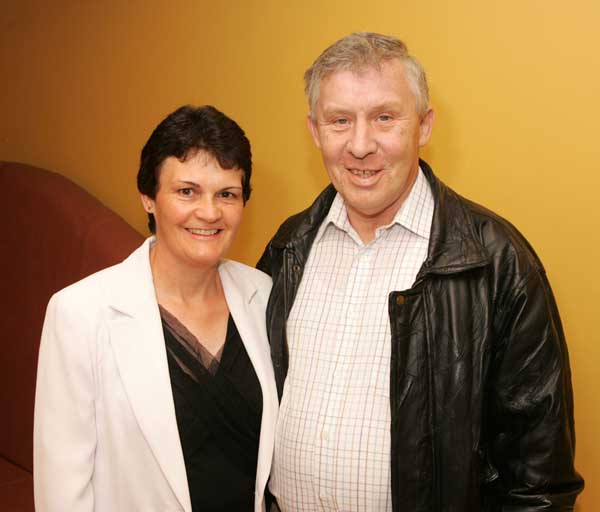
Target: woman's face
x=198, y=210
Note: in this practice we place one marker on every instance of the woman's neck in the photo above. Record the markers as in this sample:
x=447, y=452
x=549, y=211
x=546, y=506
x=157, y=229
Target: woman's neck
x=175, y=282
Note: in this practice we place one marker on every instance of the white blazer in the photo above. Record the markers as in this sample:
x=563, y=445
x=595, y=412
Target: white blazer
x=105, y=431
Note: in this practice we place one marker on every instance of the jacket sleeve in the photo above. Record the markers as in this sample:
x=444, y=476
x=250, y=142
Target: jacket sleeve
x=531, y=404
x=64, y=419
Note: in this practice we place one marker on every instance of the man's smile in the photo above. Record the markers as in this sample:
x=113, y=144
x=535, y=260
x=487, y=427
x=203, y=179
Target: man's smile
x=363, y=173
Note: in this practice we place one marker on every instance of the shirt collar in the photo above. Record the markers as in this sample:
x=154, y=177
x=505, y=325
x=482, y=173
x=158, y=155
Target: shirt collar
x=337, y=216
x=415, y=213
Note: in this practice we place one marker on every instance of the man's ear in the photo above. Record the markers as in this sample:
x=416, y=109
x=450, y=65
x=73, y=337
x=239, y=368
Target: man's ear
x=147, y=203
x=313, y=129
x=426, y=127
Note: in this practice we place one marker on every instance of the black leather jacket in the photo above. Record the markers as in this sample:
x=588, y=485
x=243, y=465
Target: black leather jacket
x=481, y=399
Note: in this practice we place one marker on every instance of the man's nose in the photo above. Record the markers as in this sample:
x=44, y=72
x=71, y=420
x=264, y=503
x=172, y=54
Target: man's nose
x=207, y=210
x=362, y=140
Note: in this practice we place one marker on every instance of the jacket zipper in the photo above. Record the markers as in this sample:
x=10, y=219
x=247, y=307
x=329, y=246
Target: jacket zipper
x=435, y=469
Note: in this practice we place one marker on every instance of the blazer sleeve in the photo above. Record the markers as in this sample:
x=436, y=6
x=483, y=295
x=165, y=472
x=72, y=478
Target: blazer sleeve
x=64, y=419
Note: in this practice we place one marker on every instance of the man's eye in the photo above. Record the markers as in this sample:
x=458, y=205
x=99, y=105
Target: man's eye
x=187, y=191
x=384, y=118
x=226, y=194
x=341, y=121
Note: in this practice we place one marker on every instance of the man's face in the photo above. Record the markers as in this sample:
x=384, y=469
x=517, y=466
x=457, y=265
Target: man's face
x=369, y=133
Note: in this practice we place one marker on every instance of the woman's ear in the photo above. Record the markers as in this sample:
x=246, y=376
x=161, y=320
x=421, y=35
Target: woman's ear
x=147, y=203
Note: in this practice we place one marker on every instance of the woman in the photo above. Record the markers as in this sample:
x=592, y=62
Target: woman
x=155, y=388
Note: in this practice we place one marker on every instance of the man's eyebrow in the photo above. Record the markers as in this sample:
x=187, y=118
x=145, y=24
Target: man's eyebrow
x=386, y=105
x=334, y=109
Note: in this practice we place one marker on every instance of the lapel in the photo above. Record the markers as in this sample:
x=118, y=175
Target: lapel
x=137, y=340
x=454, y=245
x=241, y=287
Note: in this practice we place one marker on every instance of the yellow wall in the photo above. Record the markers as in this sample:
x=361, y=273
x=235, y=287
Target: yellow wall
x=515, y=85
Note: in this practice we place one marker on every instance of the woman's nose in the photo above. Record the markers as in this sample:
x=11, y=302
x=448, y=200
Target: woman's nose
x=207, y=210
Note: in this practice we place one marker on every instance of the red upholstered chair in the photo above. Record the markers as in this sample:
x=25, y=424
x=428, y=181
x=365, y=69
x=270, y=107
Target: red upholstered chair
x=53, y=234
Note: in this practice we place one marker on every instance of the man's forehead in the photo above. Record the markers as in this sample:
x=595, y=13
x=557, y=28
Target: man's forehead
x=368, y=87
x=361, y=69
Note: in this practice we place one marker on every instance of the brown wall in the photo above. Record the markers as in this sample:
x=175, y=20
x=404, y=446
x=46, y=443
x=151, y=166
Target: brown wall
x=515, y=85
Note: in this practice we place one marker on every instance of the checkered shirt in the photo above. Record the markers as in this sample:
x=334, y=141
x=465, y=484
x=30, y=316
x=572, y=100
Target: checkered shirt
x=332, y=447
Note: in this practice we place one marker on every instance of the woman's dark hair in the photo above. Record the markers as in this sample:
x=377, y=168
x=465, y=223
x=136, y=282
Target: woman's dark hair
x=185, y=132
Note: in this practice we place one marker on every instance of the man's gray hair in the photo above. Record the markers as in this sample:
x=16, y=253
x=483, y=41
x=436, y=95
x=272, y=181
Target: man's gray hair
x=359, y=52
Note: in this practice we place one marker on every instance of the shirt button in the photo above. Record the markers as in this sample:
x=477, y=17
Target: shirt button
x=324, y=435
x=400, y=300
x=296, y=268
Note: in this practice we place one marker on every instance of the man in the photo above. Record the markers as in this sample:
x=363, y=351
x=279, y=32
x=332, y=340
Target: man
x=423, y=357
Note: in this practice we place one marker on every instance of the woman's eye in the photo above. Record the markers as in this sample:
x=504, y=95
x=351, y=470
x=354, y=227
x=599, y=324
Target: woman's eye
x=186, y=191
x=226, y=194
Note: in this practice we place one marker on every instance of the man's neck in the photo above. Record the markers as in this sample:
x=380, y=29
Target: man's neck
x=366, y=225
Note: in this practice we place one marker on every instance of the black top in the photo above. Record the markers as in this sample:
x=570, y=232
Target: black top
x=218, y=404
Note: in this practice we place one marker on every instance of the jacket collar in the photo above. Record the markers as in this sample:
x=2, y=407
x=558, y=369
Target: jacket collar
x=243, y=285
x=453, y=243
x=135, y=328
x=306, y=223
x=132, y=288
